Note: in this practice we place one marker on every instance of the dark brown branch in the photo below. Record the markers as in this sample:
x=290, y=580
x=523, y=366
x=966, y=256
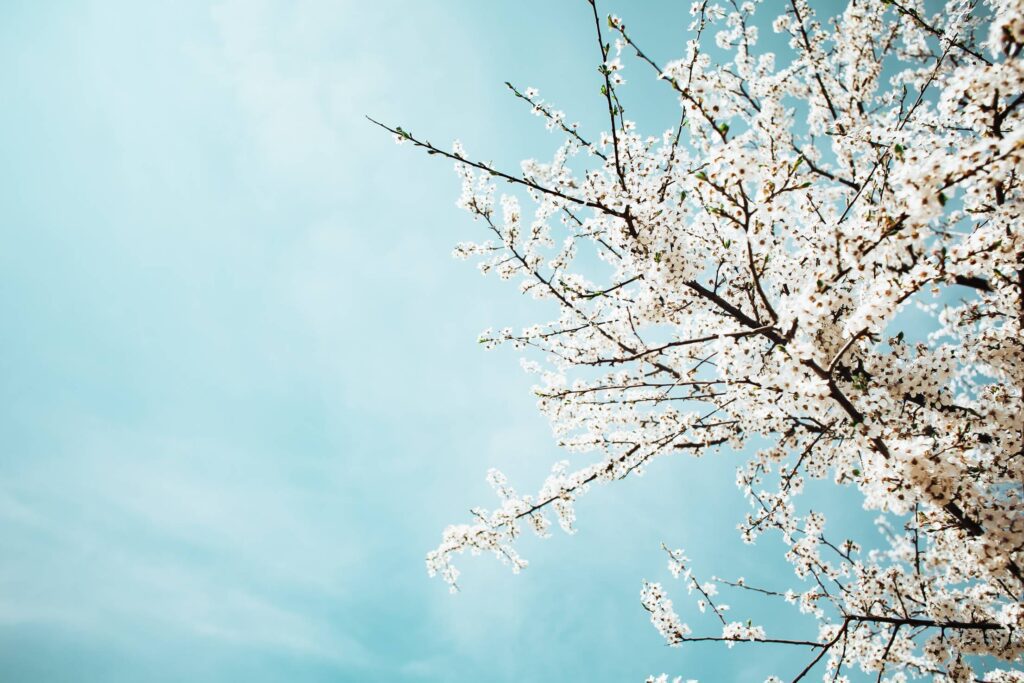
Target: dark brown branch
x=934, y=31
x=684, y=92
x=973, y=282
x=551, y=117
x=515, y=180
x=608, y=96
x=807, y=46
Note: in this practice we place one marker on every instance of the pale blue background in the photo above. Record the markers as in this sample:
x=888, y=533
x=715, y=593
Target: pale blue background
x=241, y=390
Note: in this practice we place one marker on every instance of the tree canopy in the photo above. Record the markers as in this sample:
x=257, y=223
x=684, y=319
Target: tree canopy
x=739, y=281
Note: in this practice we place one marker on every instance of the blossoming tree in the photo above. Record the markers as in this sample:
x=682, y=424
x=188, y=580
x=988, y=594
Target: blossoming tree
x=738, y=280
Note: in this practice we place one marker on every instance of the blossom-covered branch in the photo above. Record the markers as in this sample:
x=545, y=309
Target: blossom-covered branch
x=740, y=278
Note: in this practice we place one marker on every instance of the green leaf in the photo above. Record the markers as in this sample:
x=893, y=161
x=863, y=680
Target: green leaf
x=860, y=381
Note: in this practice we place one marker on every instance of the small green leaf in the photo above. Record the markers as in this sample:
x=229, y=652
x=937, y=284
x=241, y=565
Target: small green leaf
x=860, y=381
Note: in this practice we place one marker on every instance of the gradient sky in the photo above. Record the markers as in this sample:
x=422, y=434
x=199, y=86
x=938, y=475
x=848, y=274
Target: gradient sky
x=242, y=393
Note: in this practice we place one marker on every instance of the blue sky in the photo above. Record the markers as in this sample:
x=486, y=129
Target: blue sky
x=241, y=385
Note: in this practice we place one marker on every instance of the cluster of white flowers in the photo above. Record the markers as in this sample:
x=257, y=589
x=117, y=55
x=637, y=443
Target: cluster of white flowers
x=734, y=631
x=664, y=618
x=739, y=279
